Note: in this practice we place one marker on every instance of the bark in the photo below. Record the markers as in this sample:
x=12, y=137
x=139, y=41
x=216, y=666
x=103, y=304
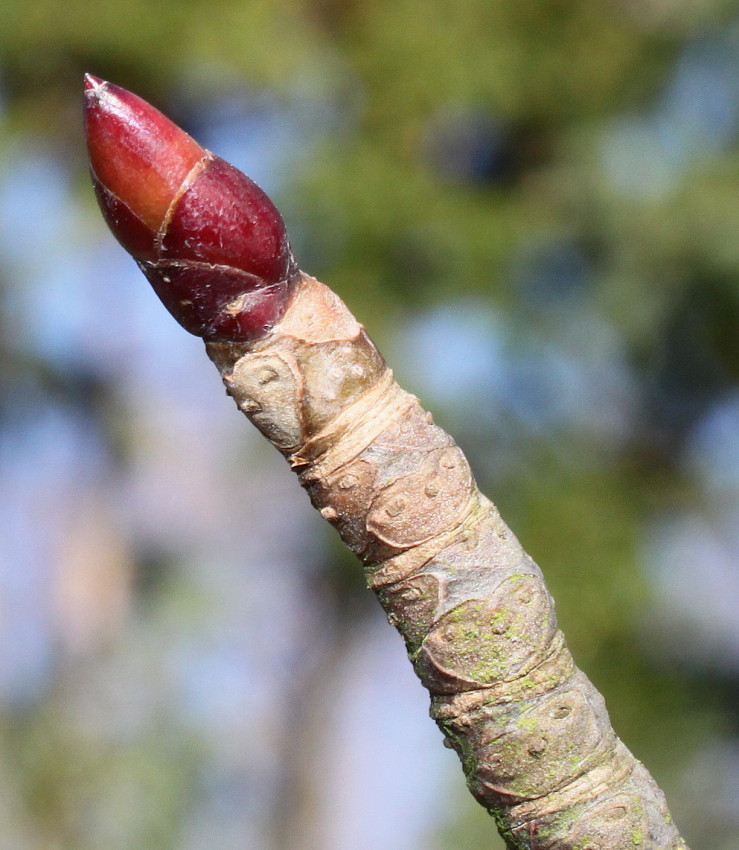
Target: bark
x=531, y=731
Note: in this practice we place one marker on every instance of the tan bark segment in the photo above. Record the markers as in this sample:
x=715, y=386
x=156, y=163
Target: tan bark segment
x=531, y=731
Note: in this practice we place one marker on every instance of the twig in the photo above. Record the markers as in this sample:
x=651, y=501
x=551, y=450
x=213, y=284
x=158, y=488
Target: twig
x=531, y=731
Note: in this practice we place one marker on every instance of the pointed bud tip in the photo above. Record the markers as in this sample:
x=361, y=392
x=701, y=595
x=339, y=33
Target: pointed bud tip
x=93, y=83
x=139, y=158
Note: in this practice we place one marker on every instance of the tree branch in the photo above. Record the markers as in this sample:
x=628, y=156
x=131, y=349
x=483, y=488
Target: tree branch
x=532, y=732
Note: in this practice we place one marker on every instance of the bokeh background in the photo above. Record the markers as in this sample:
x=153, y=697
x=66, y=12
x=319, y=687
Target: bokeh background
x=534, y=208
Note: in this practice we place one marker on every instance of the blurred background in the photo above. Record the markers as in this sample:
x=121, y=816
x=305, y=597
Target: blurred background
x=534, y=209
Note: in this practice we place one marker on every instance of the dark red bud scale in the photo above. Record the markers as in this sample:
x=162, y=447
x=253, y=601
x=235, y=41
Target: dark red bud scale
x=210, y=241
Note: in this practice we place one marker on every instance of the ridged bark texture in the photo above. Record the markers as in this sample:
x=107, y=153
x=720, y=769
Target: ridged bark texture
x=531, y=731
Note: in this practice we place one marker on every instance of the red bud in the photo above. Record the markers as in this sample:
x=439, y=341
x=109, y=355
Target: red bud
x=209, y=240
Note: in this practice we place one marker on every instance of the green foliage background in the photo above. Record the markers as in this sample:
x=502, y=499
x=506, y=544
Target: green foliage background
x=383, y=211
